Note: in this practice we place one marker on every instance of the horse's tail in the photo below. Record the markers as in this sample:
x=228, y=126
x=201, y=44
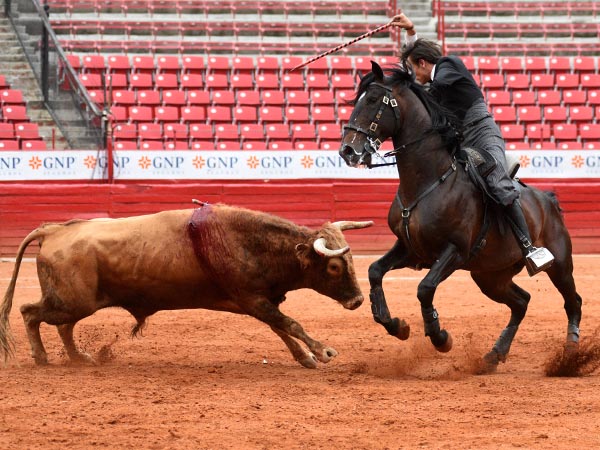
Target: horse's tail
x=6, y=339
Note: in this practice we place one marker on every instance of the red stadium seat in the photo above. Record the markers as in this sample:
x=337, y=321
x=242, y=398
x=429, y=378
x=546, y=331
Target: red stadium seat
x=168, y=63
x=119, y=113
x=589, y=131
x=564, y=131
x=192, y=81
x=166, y=113
x=322, y=98
x=298, y=98
x=555, y=113
x=123, y=97
x=152, y=145
x=523, y=98
x=542, y=80
x=227, y=132
x=267, y=81
x=140, y=114
x=281, y=145
x=245, y=114
x=535, y=64
x=549, y=98
x=125, y=131
x=305, y=145
x=192, y=113
x=243, y=64
x=177, y=145
x=590, y=80
x=242, y=81
x=517, y=81
x=97, y=96
x=166, y=81
x=201, y=131
x=297, y=114
x=148, y=97
x=174, y=98
x=93, y=63
x=7, y=131
x=218, y=113
x=344, y=113
x=329, y=145
x=203, y=144
x=27, y=130
x=150, y=131
x=538, y=131
x=37, y=144
x=498, y=97
x=511, y=64
x=90, y=80
x=329, y=131
x=195, y=97
x=116, y=81
x=192, y=64
x=217, y=81
x=292, y=81
x=14, y=113
x=492, y=80
x=270, y=114
x=592, y=145
x=254, y=145
x=581, y=113
x=215, y=64
x=593, y=97
x=273, y=97
x=504, y=113
x=176, y=131
x=223, y=98
x=317, y=81
x=567, y=80
x=512, y=131
x=584, y=64
x=267, y=64
x=8, y=144
x=252, y=132
x=229, y=144
x=321, y=113
x=248, y=98
x=559, y=64
x=143, y=64
x=303, y=131
x=343, y=81
x=277, y=131
x=118, y=63
x=569, y=145
x=574, y=97
x=488, y=64
x=529, y=113
x=12, y=96
x=141, y=81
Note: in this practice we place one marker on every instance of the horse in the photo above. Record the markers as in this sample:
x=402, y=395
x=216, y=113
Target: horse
x=441, y=218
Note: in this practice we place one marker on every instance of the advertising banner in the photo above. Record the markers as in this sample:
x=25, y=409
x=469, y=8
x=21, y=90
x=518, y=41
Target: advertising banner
x=251, y=165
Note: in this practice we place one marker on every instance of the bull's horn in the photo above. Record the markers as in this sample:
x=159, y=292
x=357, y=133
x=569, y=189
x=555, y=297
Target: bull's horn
x=349, y=225
x=320, y=246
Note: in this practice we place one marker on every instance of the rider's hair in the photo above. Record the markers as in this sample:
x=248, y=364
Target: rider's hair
x=421, y=49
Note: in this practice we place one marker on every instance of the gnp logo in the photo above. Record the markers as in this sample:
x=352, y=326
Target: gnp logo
x=542, y=161
x=52, y=162
x=269, y=162
x=161, y=162
x=118, y=162
x=9, y=162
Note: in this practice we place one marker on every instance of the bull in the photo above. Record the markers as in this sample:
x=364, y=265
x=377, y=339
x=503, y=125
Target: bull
x=215, y=257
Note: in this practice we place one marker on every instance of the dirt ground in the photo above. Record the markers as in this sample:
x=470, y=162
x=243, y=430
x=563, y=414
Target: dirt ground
x=211, y=380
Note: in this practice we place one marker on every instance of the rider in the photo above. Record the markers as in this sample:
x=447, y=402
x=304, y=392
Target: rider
x=453, y=86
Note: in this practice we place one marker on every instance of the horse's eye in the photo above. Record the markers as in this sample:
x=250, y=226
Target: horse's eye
x=371, y=99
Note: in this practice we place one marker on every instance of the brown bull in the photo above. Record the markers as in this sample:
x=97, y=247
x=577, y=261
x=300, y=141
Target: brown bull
x=215, y=257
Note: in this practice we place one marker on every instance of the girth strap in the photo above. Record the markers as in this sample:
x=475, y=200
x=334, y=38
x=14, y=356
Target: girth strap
x=407, y=210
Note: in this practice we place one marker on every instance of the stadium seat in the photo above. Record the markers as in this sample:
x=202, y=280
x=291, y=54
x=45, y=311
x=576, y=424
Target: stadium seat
x=177, y=145
x=567, y=80
x=344, y=113
x=529, y=113
x=93, y=63
x=487, y=64
x=242, y=81
x=118, y=64
x=143, y=64
x=535, y=64
x=564, y=131
x=512, y=131
x=523, y=97
x=12, y=96
x=254, y=145
x=223, y=98
x=498, y=97
x=549, y=97
x=176, y=131
x=542, y=80
x=252, y=132
x=202, y=144
x=14, y=113
x=216, y=81
x=243, y=64
x=125, y=131
x=201, y=131
x=7, y=130
x=149, y=131
x=116, y=81
x=273, y=97
x=511, y=64
x=166, y=113
x=192, y=81
x=330, y=131
x=195, y=97
x=123, y=97
x=166, y=81
x=148, y=97
x=281, y=145
x=303, y=131
x=555, y=113
x=492, y=80
x=248, y=98
x=343, y=81
x=581, y=113
x=277, y=131
x=574, y=97
x=168, y=63
x=119, y=114
x=317, y=81
x=295, y=98
x=152, y=145
x=140, y=113
x=267, y=81
x=504, y=114
x=192, y=64
x=174, y=97
x=590, y=80
x=589, y=131
x=90, y=80
x=322, y=97
x=584, y=64
x=517, y=81
x=559, y=64
x=593, y=97
x=9, y=144
x=27, y=130
x=37, y=144
x=538, y=131
x=292, y=81
x=97, y=96
x=267, y=64
x=245, y=114
x=218, y=114
x=227, y=132
x=321, y=113
x=141, y=81
x=295, y=114
x=192, y=114
x=270, y=114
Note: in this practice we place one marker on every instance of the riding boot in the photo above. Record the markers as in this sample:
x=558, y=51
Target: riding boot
x=536, y=259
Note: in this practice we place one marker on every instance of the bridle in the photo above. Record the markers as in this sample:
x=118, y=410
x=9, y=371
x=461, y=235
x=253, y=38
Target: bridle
x=373, y=143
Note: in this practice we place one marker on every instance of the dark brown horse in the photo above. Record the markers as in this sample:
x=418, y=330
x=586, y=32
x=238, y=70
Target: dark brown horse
x=440, y=217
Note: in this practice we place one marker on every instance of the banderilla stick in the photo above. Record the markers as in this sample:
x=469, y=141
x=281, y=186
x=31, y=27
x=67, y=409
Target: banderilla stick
x=339, y=47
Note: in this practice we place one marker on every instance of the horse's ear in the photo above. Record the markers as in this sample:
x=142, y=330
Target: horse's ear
x=377, y=70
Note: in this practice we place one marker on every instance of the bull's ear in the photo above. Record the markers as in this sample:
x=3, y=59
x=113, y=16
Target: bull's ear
x=377, y=70
x=303, y=255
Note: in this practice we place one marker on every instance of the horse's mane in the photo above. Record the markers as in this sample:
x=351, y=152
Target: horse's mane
x=443, y=121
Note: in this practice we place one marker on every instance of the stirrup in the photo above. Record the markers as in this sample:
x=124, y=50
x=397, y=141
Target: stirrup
x=537, y=260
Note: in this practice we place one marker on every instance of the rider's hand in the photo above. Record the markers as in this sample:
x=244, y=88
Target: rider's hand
x=400, y=20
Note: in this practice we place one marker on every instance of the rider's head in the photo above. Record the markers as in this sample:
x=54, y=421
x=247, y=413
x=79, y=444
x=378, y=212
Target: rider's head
x=422, y=55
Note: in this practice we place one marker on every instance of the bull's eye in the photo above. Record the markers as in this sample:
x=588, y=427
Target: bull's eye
x=334, y=268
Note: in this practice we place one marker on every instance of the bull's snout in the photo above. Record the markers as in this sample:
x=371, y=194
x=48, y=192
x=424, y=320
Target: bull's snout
x=353, y=303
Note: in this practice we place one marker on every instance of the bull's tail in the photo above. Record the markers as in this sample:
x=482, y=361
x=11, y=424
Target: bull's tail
x=6, y=339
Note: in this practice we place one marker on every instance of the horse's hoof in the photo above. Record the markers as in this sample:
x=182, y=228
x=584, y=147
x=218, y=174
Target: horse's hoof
x=446, y=346
x=402, y=329
x=571, y=347
x=328, y=354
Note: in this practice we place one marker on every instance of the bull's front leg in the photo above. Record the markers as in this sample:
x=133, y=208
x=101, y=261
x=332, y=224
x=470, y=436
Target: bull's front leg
x=267, y=312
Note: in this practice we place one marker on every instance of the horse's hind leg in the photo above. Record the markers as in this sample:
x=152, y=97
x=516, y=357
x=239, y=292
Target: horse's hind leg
x=66, y=334
x=561, y=275
x=395, y=258
x=499, y=287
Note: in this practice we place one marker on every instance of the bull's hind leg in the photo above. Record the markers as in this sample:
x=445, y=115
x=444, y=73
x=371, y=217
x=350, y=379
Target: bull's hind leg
x=46, y=310
x=499, y=287
x=66, y=334
x=395, y=258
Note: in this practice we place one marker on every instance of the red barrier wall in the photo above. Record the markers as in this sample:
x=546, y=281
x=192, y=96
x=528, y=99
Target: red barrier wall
x=24, y=206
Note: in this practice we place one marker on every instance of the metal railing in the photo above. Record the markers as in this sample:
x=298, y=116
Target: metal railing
x=76, y=115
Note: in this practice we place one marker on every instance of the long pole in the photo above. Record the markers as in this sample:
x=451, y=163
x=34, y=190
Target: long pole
x=339, y=47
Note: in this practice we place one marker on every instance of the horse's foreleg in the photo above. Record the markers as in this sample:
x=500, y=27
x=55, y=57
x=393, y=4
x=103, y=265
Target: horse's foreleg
x=446, y=264
x=395, y=258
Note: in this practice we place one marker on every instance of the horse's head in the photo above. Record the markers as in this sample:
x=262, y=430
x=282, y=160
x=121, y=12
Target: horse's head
x=375, y=118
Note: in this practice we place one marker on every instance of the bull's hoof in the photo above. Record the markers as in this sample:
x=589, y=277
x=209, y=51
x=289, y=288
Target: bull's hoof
x=328, y=354
x=402, y=329
x=446, y=346
x=309, y=361
x=40, y=360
